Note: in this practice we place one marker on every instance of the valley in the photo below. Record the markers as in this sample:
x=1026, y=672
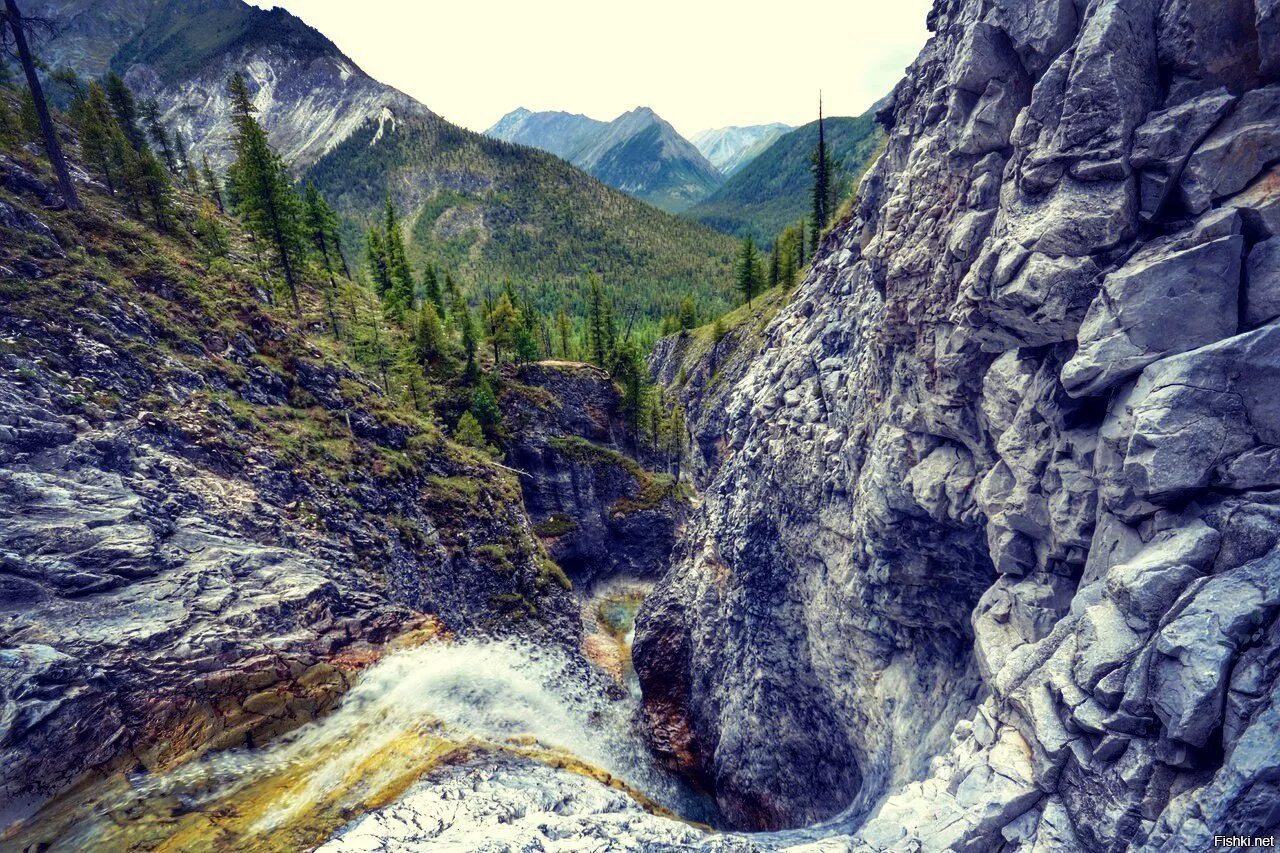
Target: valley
x=906, y=482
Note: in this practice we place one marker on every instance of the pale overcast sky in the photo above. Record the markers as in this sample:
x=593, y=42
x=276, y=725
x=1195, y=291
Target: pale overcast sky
x=697, y=63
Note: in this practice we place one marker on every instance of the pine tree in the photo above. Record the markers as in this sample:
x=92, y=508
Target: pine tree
x=29, y=118
x=322, y=227
x=428, y=338
x=503, y=321
x=596, y=330
x=96, y=124
x=677, y=438
x=210, y=233
x=775, y=267
x=375, y=253
x=265, y=200
x=126, y=111
x=821, y=182
x=399, y=294
x=688, y=314
x=49, y=134
x=562, y=332
x=211, y=185
x=149, y=112
x=484, y=405
x=468, y=432
x=460, y=315
x=749, y=274
x=431, y=288
x=628, y=369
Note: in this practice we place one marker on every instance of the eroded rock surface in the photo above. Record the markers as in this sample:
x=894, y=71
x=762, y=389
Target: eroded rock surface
x=987, y=557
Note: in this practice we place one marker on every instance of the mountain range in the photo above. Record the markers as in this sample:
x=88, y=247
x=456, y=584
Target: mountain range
x=481, y=205
x=731, y=148
x=638, y=152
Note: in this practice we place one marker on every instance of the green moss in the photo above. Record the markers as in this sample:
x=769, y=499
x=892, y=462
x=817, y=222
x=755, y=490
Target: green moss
x=549, y=571
x=558, y=524
x=652, y=488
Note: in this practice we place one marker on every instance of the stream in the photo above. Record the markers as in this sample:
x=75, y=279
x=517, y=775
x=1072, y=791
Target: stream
x=493, y=745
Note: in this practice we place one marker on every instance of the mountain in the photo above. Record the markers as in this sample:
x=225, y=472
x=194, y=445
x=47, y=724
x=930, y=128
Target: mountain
x=309, y=95
x=731, y=148
x=774, y=189
x=489, y=209
x=493, y=210
x=560, y=133
x=638, y=152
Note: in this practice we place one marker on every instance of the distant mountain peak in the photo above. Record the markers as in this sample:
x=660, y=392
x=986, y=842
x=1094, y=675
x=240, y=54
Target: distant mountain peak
x=638, y=152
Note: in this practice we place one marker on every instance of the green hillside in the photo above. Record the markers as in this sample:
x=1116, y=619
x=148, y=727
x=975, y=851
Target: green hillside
x=774, y=190
x=491, y=211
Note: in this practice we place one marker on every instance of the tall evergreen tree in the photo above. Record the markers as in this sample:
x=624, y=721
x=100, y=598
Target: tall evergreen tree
x=322, y=227
x=149, y=112
x=211, y=182
x=375, y=254
x=265, y=199
x=399, y=294
x=562, y=332
x=775, y=266
x=190, y=174
x=688, y=314
x=52, y=147
x=821, y=182
x=749, y=273
x=431, y=288
x=125, y=108
x=97, y=125
x=597, y=332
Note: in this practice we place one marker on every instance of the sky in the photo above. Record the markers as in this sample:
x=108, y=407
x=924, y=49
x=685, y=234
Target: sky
x=698, y=63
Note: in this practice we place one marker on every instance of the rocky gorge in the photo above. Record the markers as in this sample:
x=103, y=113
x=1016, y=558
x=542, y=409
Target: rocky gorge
x=987, y=554
x=976, y=545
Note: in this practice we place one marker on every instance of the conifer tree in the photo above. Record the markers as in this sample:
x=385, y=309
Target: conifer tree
x=322, y=227
x=125, y=108
x=775, y=267
x=677, y=438
x=375, y=253
x=431, y=288
x=749, y=274
x=52, y=147
x=399, y=294
x=484, y=405
x=212, y=186
x=428, y=338
x=628, y=369
x=688, y=314
x=596, y=323
x=821, y=182
x=93, y=118
x=468, y=432
x=29, y=117
x=265, y=200
x=149, y=112
x=503, y=321
x=460, y=314
x=562, y=332
x=190, y=175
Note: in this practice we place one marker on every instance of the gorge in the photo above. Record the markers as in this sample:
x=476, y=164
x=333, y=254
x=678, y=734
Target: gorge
x=975, y=545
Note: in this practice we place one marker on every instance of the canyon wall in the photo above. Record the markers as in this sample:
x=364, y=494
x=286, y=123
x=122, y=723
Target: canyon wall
x=987, y=552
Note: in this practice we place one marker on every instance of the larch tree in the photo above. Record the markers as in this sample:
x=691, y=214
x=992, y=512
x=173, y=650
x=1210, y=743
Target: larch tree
x=265, y=199
x=17, y=26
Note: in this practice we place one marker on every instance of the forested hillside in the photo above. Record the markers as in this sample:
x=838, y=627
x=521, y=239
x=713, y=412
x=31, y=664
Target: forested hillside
x=490, y=212
x=775, y=189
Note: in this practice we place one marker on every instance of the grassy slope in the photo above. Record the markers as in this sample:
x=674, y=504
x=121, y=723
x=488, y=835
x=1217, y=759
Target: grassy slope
x=116, y=273
x=492, y=210
x=774, y=190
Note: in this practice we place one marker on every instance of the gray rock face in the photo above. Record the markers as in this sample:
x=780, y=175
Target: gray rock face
x=988, y=536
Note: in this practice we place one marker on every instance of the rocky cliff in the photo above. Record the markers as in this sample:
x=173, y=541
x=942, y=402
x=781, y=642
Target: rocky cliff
x=988, y=556
x=597, y=497
x=209, y=515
